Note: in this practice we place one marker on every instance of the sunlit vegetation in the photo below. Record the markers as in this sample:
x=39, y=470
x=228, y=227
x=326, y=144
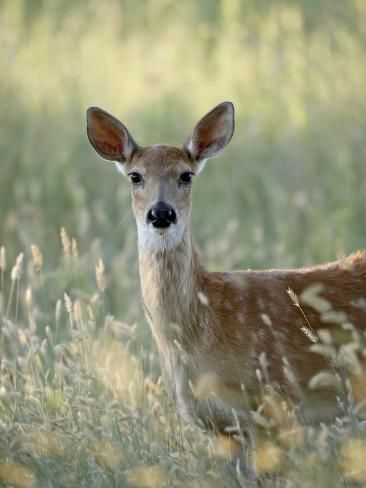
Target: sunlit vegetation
x=81, y=400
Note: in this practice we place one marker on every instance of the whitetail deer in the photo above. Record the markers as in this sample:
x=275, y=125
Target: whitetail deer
x=221, y=328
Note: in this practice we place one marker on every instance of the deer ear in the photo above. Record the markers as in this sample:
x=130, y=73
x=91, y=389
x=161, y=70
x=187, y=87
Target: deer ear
x=108, y=136
x=212, y=133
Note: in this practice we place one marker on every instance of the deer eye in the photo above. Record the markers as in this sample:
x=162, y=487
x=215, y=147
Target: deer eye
x=135, y=178
x=186, y=178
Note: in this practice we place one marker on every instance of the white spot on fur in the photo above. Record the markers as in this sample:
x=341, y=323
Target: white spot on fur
x=359, y=303
x=266, y=320
x=202, y=298
x=241, y=317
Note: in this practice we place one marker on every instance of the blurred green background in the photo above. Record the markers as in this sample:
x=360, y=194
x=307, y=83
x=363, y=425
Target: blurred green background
x=290, y=189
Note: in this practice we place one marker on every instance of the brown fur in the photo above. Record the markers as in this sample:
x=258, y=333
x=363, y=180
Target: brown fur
x=225, y=334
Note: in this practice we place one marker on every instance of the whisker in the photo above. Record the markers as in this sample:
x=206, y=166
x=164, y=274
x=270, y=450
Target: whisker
x=127, y=214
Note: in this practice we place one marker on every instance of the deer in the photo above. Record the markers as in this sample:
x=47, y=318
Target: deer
x=221, y=335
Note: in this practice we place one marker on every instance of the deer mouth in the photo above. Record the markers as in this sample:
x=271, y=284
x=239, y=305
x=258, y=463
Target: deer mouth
x=162, y=230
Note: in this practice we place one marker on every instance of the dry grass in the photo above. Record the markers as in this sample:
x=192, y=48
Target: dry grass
x=86, y=407
x=81, y=401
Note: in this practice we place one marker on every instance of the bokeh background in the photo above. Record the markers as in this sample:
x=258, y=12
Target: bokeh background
x=289, y=190
x=80, y=398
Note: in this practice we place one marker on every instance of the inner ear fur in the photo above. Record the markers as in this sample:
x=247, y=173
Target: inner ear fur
x=212, y=133
x=108, y=136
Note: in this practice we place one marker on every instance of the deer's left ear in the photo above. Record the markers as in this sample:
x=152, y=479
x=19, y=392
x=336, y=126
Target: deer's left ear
x=212, y=133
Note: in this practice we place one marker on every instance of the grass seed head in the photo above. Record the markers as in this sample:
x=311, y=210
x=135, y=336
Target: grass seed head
x=107, y=454
x=225, y=447
x=2, y=259
x=36, y=257
x=74, y=248
x=58, y=310
x=353, y=455
x=16, y=475
x=210, y=386
x=147, y=476
x=42, y=442
x=268, y=457
x=325, y=379
x=294, y=297
x=28, y=298
x=309, y=334
x=65, y=241
x=78, y=313
x=100, y=275
x=68, y=303
x=17, y=268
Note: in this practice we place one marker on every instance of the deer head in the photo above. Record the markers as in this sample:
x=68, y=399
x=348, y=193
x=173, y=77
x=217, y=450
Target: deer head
x=161, y=175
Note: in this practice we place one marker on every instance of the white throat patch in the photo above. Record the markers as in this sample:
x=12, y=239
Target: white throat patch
x=151, y=240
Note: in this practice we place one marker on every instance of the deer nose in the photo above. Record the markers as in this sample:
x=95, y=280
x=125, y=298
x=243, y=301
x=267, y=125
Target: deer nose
x=161, y=215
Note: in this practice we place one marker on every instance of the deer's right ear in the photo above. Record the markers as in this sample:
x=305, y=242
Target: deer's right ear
x=108, y=136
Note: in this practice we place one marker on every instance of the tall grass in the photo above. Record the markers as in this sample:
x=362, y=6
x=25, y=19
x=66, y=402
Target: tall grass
x=290, y=190
x=81, y=402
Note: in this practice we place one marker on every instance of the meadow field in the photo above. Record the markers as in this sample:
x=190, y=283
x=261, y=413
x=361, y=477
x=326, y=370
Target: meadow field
x=81, y=399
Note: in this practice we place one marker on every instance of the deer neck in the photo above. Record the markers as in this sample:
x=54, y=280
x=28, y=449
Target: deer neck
x=170, y=286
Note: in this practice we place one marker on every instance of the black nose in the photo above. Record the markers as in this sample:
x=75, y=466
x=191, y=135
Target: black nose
x=161, y=215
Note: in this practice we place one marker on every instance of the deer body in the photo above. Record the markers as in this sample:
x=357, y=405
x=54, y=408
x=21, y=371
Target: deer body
x=222, y=327
x=240, y=316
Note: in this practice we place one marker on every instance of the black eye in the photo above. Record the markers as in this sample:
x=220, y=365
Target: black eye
x=186, y=178
x=135, y=178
